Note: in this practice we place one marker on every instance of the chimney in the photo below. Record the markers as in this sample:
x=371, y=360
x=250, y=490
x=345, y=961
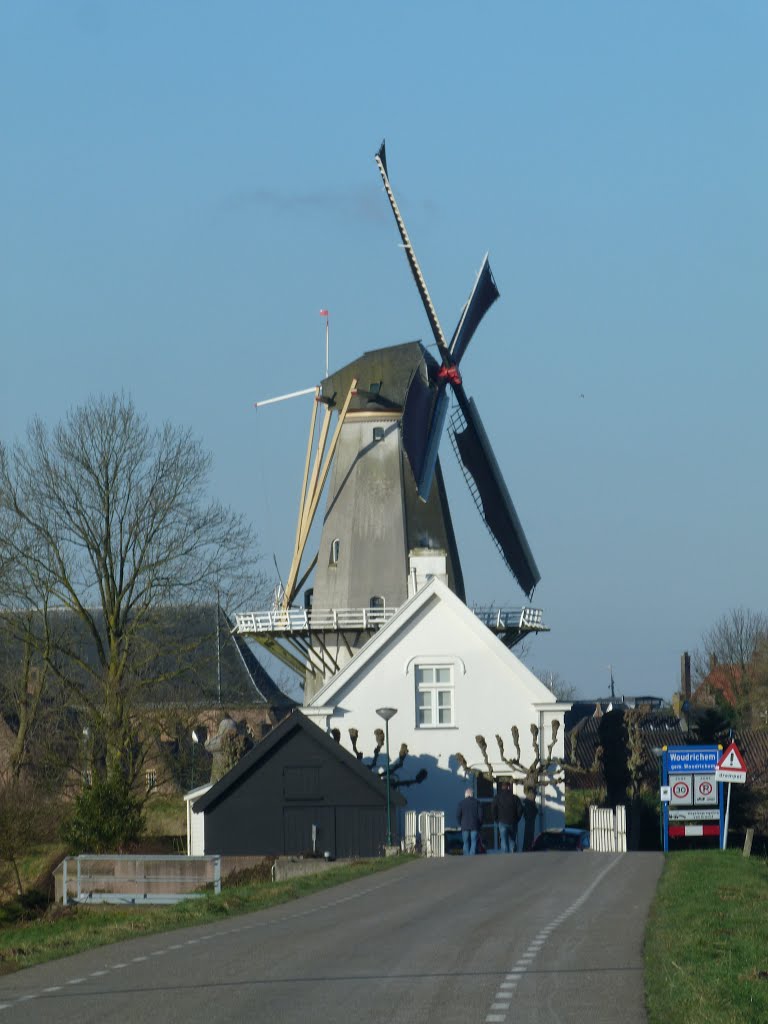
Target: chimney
x=685, y=675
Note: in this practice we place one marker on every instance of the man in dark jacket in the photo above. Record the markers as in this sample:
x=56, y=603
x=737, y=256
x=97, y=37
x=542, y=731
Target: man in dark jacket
x=507, y=811
x=470, y=818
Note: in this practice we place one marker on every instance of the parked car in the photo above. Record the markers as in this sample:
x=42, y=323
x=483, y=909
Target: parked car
x=561, y=839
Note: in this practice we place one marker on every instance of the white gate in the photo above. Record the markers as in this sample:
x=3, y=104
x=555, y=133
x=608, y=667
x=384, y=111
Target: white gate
x=608, y=829
x=425, y=833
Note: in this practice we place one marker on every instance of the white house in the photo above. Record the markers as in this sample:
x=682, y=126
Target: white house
x=450, y=679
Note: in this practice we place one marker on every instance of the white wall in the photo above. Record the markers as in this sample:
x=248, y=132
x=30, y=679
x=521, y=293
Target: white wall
x=493, y=690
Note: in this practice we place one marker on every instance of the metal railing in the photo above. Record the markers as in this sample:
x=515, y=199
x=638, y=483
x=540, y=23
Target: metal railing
x=297, y=620
x=510, y=618
x=140, y=879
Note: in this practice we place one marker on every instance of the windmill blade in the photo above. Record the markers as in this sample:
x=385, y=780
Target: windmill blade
x=483, y=296
x=424, y=480
x=434, y=323
x=486, y=484
x=417, y=415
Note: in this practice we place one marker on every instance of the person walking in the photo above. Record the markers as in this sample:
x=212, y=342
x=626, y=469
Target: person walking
x=470, y=818
x=507, y=811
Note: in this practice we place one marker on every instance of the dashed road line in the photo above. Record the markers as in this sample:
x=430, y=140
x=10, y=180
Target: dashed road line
x=535, y=946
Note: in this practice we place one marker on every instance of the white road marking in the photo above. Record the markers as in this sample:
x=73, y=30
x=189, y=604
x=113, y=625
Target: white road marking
x=534, y=948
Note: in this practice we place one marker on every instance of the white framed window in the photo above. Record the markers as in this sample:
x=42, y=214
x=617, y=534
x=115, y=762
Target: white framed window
x=151, y=777
x=335, y=550
x=434, y=696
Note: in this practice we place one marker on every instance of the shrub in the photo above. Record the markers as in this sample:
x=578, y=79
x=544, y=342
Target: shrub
x=107, y=817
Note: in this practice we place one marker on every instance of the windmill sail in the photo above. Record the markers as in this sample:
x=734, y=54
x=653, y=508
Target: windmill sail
x=483, y=296
x=490, y=492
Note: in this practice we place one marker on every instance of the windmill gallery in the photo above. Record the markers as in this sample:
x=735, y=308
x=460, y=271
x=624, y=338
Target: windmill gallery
x=376, y=615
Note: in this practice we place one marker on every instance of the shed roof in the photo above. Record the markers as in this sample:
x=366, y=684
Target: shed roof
x=290, y=726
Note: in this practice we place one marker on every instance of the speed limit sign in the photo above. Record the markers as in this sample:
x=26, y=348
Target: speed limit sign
x=681, y=789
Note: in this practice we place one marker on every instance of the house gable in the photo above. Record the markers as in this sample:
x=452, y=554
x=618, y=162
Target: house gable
x=432, y=624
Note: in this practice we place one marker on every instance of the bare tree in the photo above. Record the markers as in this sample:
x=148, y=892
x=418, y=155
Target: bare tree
x=110, y=519
x=563, y=690
x=737, y=645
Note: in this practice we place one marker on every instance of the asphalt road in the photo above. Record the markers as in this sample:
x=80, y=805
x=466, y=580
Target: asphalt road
x=537, y=938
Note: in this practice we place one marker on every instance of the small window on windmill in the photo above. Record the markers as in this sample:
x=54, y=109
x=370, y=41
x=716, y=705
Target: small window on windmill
x=335, y=549
x=376, y=604
x=378, y=434
x=151, y=779
x=375, y=388
x=308, y=595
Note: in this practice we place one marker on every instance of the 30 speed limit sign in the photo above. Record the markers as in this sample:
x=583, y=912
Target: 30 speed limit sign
x=681, y=789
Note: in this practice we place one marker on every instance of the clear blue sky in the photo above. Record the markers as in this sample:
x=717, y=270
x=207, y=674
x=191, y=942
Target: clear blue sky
x=184, y=185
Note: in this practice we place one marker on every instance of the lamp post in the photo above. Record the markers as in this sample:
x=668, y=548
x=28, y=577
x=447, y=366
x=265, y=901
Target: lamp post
x=386, y=714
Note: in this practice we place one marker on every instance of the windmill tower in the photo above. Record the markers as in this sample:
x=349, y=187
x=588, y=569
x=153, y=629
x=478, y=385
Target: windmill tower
x=387, y=524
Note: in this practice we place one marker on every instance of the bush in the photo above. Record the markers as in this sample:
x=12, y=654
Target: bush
x=107, y=817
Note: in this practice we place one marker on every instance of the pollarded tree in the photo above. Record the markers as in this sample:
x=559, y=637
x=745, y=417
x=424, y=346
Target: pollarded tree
x=113, y=515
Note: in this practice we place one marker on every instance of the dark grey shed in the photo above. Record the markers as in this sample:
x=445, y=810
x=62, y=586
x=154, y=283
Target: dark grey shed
x=297, y=777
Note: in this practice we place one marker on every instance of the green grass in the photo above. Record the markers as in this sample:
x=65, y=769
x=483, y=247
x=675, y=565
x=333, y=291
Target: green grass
x=706, y=948
x=67, y=930
x=165, y=816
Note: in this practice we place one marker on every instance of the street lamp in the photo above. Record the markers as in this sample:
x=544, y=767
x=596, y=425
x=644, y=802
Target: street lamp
x=386, y=714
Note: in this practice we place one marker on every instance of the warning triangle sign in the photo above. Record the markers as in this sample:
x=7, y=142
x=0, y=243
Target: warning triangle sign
x=732, y=761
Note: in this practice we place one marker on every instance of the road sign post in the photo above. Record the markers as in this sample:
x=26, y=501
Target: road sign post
x=730, y=768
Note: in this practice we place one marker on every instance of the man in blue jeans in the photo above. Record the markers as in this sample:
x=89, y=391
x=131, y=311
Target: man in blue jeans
x=507, y=811
x=470, y=818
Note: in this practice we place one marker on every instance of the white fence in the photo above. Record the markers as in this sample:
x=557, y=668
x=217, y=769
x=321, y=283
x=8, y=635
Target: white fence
x=608, y=829
x=425, y=833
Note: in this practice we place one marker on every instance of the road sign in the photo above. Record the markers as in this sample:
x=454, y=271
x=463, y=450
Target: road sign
x=692, y=759
x=681, y=787
x=694, y=814
x=731, y=766
x=704, y=789
x=732, y=759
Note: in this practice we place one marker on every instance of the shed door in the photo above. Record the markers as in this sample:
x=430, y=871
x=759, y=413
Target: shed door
x=361, y=831
x=297, y=829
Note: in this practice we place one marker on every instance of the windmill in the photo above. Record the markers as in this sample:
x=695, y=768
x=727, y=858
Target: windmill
x=387, y=523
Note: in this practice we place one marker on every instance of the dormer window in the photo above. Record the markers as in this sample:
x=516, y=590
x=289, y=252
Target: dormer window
x=335, y=549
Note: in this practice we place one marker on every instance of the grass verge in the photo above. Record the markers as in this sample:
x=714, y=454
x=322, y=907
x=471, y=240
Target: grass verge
x=68, y=930
x=706, y=946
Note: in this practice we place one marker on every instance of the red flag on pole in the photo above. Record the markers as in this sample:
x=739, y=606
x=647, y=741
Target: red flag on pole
x=323, y=312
